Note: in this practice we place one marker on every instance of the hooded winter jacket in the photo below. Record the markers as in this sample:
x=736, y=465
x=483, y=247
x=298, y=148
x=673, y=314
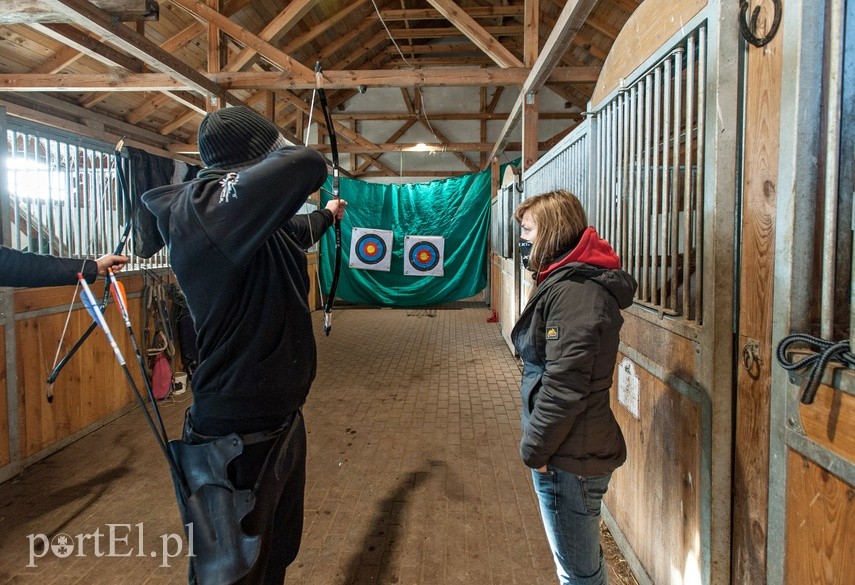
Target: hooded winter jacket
x=568, y=338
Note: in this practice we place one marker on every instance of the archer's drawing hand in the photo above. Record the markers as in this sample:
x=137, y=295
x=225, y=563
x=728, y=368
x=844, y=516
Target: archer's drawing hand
x=111, y=261
x=336, y=206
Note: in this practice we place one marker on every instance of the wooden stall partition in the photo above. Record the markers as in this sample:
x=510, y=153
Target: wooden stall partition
x=820, y=547
x=830, y=421
x=503, y=283
x=314, y=299
x=811, y=478
x=496, y=296
x=664, y=133
x=759, y=193
x=90, y=390
x=656, y=497
x=5, y=457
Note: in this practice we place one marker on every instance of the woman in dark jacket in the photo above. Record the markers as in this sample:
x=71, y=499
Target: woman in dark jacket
x=28, y=269
x=567, y=337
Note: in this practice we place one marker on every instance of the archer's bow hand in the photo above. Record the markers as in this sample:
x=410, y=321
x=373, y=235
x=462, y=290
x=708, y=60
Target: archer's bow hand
x=112, y=262
x=336, y=206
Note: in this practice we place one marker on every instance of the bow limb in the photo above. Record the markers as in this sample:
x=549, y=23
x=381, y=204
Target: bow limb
x=328, y=306
x=124, y=192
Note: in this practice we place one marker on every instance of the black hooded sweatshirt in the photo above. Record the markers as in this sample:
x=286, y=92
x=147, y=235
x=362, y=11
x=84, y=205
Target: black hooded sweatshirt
x=567, y=337
x=237, y=250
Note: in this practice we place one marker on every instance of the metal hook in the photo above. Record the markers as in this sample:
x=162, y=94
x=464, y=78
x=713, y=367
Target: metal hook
x=747, y=28
x=751, y=359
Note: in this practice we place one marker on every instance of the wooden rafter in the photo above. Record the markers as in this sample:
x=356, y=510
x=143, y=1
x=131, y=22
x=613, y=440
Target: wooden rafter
x=279, y=25
x=450, y=77
x=265, y=60
x=476, y=33
x=97, y=21
x=283, y=61
x=571, y=19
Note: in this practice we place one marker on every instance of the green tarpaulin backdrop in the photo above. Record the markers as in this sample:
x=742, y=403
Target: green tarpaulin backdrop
x=457, y=209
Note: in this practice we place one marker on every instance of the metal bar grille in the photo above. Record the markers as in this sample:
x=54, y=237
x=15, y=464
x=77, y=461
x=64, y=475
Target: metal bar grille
x=566, y=167
x=649, y=196
x=63, y=196
x=834, y=241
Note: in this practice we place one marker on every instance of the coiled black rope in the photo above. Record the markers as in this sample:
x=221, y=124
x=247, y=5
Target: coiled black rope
x=826, y=351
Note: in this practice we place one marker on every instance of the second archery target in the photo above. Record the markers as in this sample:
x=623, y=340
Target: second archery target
x=424, y=255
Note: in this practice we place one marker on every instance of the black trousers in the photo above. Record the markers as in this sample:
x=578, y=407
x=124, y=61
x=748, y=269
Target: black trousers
x=281, y=533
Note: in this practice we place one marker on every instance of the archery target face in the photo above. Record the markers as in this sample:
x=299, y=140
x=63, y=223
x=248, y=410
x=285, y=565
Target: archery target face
x=424, y=255
x=370, y=249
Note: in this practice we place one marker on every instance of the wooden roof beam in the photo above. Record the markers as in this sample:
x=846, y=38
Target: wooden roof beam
x=423, y=77
x=247, y=80
x=434, y=14
x=30, y=12
x=199, y=10
x=85, y=44
x=507, y=30
x=178, y=122
x=41, y=102
x=84, y=14
x=569, y=22
x=323, y=27
x=476, y=33
x=279, y=25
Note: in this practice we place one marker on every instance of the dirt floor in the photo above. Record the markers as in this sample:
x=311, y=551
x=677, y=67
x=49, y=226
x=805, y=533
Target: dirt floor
x=414, y=476
x=619, y=572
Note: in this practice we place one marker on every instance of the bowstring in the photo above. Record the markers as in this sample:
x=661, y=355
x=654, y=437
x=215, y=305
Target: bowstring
x=311, y=232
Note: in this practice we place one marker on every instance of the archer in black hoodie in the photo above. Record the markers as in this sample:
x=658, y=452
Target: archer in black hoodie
x=238, y=252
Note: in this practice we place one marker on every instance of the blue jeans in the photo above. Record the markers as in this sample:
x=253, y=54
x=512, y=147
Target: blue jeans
x=570, y=508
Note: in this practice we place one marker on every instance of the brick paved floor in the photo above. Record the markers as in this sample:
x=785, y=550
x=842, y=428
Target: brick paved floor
x=413, y=474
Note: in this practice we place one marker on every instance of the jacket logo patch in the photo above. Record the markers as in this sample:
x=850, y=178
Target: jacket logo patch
x=552, y=332
x=228, y=182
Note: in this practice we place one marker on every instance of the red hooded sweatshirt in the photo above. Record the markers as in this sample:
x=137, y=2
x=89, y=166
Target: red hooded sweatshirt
x=591, y=249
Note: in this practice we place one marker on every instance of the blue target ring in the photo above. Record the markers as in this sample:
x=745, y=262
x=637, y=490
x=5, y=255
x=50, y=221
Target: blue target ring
x=370, y=249
x=424, y=256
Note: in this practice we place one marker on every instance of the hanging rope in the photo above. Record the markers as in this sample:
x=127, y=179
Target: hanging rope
x=825, y=352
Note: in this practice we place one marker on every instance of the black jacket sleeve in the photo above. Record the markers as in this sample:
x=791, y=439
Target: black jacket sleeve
x=306, y=229
x=33, y=270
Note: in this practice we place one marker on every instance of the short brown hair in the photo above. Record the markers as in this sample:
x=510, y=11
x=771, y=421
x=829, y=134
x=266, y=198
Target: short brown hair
x=560, y=220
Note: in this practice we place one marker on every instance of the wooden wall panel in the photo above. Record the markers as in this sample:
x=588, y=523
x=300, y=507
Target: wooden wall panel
x=652, y=23
x=4, y=414
x=496, y=285
x=91, y=387
x=662, y=346
x=655, y=496
x=820, y=547
x=757, y=276
x=830, y=421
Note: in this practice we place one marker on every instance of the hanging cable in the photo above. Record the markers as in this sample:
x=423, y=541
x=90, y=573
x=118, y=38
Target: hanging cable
x=388, y=32
x=423, y=111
